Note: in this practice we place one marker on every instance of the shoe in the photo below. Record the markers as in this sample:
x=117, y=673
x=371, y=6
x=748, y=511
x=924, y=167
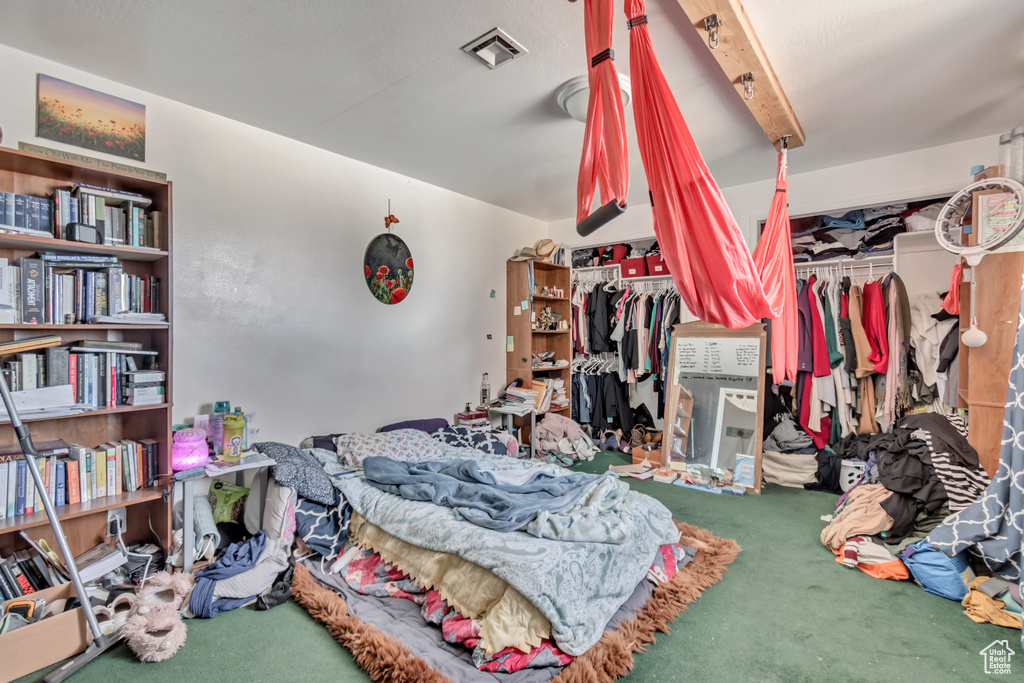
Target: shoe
x=121, y=608
x=163, y=592
x=105, y=619
x=156, y=637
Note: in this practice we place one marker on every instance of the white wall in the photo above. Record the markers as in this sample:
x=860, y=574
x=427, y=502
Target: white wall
x=911, y=175
x=270, y=308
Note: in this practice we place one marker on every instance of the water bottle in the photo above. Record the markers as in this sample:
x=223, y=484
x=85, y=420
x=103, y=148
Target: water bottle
x=485, y=391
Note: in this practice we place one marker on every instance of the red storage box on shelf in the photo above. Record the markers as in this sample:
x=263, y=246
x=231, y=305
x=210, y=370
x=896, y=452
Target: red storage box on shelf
x=656, y=265
x=634, y=267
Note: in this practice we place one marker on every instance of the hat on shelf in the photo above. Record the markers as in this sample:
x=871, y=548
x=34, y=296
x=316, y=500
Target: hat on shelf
x=543, y=250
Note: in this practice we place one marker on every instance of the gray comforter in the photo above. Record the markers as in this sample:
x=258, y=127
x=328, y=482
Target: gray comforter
x=546, y=504
x=577, y=585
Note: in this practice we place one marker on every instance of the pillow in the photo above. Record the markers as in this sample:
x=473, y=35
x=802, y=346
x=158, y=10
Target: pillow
x=464, y=437
x=422, y=425
x=405, y=445
x=279, y=514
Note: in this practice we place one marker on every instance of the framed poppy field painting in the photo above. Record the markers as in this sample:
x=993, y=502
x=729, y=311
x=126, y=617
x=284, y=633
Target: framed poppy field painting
x=388, y=268
x=89, y=119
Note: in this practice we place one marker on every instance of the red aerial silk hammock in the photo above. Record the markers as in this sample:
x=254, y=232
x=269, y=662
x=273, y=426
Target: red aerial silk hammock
x=700, y=240
x=773, y=257
x=605, y=159
x=951, y=304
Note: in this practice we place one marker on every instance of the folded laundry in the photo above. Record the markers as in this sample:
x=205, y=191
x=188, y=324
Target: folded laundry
x=851, y=219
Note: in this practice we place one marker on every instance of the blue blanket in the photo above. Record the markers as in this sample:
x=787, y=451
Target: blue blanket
x=476, y=495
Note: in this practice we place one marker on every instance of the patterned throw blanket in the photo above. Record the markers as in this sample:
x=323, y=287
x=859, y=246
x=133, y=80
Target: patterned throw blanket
x=576, y=585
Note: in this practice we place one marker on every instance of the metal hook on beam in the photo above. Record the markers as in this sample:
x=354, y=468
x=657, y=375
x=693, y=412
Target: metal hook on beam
x=711, y=24
x=747, y=80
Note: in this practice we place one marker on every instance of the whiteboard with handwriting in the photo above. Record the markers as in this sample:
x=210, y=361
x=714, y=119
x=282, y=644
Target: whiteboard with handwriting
x=735, y=356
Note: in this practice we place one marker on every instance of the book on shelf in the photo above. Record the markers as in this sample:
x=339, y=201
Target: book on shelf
x=99, y=377
x=98, y=560
x=61, y=289
x=74, y=474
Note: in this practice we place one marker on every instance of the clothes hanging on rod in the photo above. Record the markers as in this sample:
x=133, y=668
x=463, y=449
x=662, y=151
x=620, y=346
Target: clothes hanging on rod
x=856, y=369
x=639, y=317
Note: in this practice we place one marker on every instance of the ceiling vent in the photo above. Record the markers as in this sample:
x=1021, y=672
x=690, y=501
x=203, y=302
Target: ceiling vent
x=495, y=48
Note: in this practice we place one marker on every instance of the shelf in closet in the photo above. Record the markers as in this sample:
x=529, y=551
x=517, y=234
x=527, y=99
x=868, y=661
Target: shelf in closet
x=550, y=298
x=646, y=278
x=30, y=243
x=564, y=367
x=844, y=261
x=550, y=331
x=81, y=509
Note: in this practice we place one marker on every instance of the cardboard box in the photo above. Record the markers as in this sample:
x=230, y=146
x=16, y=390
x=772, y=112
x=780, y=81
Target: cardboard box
x=656, y=265
x=634, y=267
x=45, y=642
x=653, y=456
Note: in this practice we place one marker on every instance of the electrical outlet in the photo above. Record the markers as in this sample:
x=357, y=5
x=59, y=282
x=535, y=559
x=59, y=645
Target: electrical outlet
x=121, y=523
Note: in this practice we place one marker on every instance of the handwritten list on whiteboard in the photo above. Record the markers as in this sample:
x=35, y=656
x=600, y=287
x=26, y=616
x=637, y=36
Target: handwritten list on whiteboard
x=717, y=356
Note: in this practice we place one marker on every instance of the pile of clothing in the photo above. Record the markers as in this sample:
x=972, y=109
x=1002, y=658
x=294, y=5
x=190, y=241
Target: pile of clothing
x=913, y=479
x=561, y=441
x=856, y=234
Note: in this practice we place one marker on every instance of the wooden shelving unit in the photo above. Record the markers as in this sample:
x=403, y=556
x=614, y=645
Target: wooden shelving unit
x=149, y=509
x=526, y=340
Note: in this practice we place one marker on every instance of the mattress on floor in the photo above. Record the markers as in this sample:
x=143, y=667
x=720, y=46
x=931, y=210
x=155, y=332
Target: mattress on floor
x=788, y=469
x=402, y=620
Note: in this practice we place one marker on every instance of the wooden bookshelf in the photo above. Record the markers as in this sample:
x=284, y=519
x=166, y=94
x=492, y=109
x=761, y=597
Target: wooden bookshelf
x=85, y=523
x=526, y=340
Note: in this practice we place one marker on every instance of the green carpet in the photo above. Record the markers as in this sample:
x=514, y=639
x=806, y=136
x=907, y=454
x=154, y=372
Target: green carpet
x=785, y=611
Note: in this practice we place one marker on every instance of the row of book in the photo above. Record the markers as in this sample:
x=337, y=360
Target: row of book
x=101, y=373
x=119, y=217
x=65, y=289
x=26, y=572
x=75, y=474
x=34, y=569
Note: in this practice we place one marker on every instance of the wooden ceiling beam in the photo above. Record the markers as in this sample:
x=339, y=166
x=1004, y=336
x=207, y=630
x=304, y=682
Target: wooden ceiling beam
x=739, y=52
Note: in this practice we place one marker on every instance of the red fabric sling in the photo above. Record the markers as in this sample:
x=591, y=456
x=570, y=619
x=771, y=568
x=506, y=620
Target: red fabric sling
x=700, y=240
x=773, y=257
x=605, y=161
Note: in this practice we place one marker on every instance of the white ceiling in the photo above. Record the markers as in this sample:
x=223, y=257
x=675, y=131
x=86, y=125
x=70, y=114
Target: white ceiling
x=386, y=83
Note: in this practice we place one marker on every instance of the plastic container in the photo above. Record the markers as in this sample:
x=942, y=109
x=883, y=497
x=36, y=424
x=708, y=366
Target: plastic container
x=1017, y=154
x=233, y=436
x=1004, y=155
x=850, y=473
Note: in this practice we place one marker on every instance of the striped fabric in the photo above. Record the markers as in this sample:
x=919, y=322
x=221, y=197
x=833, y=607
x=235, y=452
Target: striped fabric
x=963, y=485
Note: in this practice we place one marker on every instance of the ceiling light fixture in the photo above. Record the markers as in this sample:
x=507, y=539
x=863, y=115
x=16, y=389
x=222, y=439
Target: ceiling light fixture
x=573, y=96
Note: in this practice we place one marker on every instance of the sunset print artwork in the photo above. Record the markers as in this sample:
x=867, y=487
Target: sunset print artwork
x=85, y=118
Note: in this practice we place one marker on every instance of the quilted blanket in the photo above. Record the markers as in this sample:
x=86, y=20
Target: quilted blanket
x=576, y=585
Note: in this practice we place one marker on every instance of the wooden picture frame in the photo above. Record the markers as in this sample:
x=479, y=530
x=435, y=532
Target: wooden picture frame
x=734, y=359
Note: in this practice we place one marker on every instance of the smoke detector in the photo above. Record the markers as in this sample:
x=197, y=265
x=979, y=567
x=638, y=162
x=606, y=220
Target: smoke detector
x=495, y=48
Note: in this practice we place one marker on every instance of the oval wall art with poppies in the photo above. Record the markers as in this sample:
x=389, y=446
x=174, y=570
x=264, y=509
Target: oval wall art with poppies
x=388, y=268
